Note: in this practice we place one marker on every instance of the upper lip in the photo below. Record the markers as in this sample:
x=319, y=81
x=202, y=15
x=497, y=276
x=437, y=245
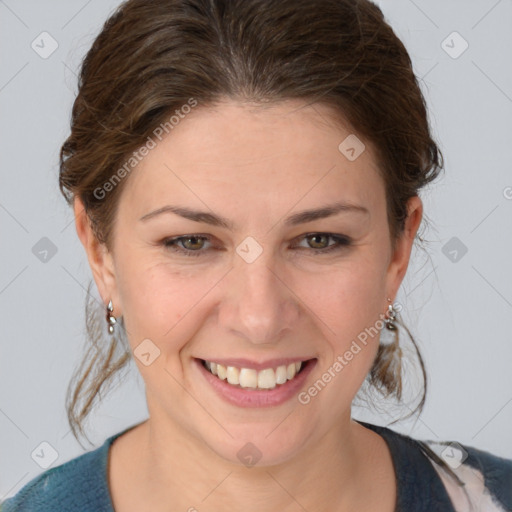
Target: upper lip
x=257, y=365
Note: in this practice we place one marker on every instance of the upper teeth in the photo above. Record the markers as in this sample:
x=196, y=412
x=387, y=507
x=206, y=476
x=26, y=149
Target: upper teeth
x=251, y=378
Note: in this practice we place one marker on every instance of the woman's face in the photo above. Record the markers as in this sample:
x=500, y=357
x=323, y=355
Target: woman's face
x=254, y=282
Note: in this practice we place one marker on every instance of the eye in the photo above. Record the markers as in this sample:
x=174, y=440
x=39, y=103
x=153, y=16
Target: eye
x=318, y=242
x=192, y=244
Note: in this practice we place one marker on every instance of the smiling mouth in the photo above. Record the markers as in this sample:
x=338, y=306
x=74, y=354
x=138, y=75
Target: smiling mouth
x=249, y=378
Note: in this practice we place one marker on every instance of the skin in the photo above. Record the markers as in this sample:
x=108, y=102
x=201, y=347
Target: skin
x=254, y=167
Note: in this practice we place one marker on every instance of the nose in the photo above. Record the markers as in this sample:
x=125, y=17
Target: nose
x=258, y=306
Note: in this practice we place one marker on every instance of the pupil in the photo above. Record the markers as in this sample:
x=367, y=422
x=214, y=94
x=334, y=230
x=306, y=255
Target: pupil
x=316, y=237
x=193, y=238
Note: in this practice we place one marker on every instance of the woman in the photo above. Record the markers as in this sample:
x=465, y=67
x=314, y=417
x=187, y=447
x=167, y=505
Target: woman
x=245, y=177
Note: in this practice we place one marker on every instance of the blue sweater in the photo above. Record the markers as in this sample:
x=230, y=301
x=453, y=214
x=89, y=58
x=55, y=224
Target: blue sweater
x=80, y=485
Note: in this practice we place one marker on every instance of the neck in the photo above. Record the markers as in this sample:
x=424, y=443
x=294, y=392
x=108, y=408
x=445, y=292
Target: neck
x=177, y=468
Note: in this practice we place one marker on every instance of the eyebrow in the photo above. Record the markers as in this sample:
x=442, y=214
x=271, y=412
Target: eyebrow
x=293, y=220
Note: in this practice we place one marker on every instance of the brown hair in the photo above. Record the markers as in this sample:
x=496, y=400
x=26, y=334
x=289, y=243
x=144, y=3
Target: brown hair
x=152, y=57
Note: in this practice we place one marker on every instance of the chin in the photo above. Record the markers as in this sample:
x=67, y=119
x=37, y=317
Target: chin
x=262, y=443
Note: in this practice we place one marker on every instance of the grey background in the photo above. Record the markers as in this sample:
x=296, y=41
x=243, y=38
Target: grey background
x=459, y=311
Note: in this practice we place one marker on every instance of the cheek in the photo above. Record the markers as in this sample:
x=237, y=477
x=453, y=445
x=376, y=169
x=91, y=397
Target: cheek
x=161, y=302
x=349, y=302
x=347, y=299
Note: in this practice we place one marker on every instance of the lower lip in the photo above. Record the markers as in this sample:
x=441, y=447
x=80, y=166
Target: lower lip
x=247, y=397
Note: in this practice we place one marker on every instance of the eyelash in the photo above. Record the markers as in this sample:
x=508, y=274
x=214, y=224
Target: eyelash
x=341, y=243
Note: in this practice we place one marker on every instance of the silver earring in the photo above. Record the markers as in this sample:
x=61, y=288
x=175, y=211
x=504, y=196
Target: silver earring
x=386, y=373
x=390, y=320
x=111, y=319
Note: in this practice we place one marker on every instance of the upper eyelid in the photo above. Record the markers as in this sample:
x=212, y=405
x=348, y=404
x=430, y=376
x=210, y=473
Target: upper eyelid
x=210, y=237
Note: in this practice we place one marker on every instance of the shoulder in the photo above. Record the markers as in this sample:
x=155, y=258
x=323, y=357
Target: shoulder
x=447, y=475
x=485, y=479
x=78, y=484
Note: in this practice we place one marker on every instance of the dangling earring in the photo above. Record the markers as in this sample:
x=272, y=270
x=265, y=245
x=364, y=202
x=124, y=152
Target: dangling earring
x=387, y=370
x=111, y=319
x=390, y=320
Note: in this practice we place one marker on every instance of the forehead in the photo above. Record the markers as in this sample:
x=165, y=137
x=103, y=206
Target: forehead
x=283, y=153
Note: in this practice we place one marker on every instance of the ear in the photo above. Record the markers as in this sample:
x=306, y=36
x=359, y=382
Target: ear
x=400, y=257
x=100, y=260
